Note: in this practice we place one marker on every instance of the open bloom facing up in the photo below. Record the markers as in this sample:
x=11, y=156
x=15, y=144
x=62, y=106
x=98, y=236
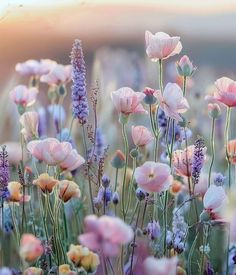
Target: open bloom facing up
x=105, y=233
x=23, y=95
x=153, y=176
x=29, y=122
x=15, y=190
x=33, y=67
x=53, y=152
x=161, y=266
x=161, y=45
x=214, y=201
x=226, y=91
x=59, y=74
x=127, y=101
x=231, y=149
x=68, y=189
x=182, y=161
x=172, y=102
x=45, y=182
x=141, y=135
x=82, y=257
x=30, y=248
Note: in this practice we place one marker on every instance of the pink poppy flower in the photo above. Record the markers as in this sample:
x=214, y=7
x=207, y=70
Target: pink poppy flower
x=53, y=152
x=153, y=176
x=141, y=135
x=172, y=102
x=30, y=248
x=214, y=201
x=226, y=91
x=29, y=122
x=161, y=266
x=21, y=95
x=161, y=45
x=231, y=148
x=59, y=74
x=105, y=233
x=127, y=101
x=182, y=161
x=14, y=152
x=34, y=67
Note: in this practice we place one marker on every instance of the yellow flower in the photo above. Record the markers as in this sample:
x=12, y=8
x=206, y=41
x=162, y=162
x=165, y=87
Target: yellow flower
x=45, y=182
x=15, y=189
x=64, y=269
x=82, y=257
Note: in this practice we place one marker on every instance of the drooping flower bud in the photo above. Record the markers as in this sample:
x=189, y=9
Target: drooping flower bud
x=105, y=181
x=115, y=198
x=185, y=67
x=140, y=194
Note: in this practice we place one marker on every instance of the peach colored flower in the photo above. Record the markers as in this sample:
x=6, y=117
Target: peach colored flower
x=161, y=45
x=172, y=102
x=29, y=122
x=64, y=269
x=127, y=101
x=82, y=257
x=59, y=74
x=30, y=248
x=182, y=161
x=23, y=95
x=45, y=182
x=226, y=91
x=161, y=266
x=53, y=152
x=153, y=176
x=214, y=201
x=34, y=67
x=68, y=189
x=231, y=148
x=33, y=271
x=15, y=190
x=141, y=135
x=105, y=233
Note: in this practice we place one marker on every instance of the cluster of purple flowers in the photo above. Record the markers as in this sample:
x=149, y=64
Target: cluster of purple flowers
x=198, y=159
x=79, y=93
x=4, y=174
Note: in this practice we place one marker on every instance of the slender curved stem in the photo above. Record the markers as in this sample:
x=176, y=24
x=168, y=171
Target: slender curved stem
x=161, y=75
x=226, y=143
x=190, y=256
x=212, y=141
x=126, y=146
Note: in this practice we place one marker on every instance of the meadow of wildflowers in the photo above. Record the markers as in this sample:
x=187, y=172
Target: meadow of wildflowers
x=157, y=205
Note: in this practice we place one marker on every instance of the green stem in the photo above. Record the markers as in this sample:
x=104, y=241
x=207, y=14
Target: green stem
x=161, y=75
x=184, y=85
x=212, y=141
x=126, y=146
x=116, y=179
x=190, y=256
x=226, y=142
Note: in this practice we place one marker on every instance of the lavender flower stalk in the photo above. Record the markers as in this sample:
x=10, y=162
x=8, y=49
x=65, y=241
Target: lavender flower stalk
x=79, y=94
x=198, y=159
x=4, y=174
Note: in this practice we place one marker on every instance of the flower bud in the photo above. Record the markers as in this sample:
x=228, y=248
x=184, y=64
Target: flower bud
x=185, y=67
x=61, y=90
x=115, y=198
x=149, y=96
x=213, y=110
x=140, y=194
x=204, y=216
x=118, y=160
x=134, y=153
x=105, y=181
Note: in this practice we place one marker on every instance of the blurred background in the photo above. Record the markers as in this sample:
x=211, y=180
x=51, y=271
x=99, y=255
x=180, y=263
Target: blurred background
x=112, y=33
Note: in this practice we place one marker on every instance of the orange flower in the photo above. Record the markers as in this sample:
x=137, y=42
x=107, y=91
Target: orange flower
x=45, y=182
x=231, y=148
x=176, y=187
x=68, y=189
x=14, y=189
x=64, y=269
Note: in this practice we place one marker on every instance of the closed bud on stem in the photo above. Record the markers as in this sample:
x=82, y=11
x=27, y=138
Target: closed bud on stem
x=134, y=153
x=105, y=181
x=214, y=110
x=149, y=96
x=185, y=67
x=118, y=160
x=204, y=216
